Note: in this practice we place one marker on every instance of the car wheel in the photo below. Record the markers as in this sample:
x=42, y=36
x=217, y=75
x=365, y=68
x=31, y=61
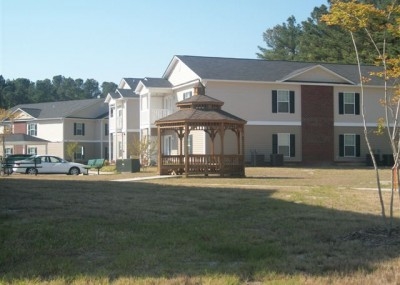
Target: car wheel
x=74, y=171
x=32, y=171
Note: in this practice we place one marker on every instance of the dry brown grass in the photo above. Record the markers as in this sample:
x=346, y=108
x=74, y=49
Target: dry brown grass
x=276, y=226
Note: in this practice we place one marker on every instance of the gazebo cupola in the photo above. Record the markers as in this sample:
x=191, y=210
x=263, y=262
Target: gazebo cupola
x=201, y=112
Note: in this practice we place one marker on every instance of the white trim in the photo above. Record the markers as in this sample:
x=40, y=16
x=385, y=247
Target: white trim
x=307, y=69
x=273, y=123
x=348, y=124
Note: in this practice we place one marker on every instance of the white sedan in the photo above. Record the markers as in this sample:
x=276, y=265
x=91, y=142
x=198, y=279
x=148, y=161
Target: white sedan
x=48, y=164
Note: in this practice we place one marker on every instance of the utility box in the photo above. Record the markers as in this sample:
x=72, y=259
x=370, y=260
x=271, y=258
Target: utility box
x=276, y=159
x=128, y=165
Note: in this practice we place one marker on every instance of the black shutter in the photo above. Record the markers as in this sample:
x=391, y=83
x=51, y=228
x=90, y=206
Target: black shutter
x=83, y=129
x=357, y=103
x=291, y=96
x=341, y=103
x=274, y=143
x=292, y=145
x=274, y=101
x=74, y=129
x=341, y=145
x=358, y=146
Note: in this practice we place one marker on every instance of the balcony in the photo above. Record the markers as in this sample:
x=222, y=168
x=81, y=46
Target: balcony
x=148, y=117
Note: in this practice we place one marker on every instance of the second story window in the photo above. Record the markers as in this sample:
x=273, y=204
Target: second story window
x=187, y=95
x=79, y=129
x=349, y=103
x=282, y=101
x=32, y=129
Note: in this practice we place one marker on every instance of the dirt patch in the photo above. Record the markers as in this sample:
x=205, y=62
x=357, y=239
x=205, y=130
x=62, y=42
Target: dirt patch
x=376, y=236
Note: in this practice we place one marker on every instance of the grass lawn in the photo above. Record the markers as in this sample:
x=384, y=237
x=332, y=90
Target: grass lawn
x=276, y=226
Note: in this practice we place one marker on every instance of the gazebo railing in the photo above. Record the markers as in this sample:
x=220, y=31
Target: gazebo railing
x=202, y=164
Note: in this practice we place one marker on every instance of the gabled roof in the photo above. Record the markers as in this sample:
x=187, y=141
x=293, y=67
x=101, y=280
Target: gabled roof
x=236, y=69
x=60, y=109
x=150, y=82
x=126, y=93
x=132, y=82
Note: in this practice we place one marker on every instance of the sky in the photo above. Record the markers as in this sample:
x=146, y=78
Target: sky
x=108, y=40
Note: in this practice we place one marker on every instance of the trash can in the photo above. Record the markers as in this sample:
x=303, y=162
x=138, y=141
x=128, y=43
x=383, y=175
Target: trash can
x=128, y=165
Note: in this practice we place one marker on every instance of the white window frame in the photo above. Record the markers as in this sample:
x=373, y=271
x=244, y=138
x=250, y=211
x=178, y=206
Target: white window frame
x=283, y=101
x=349, y=145
x=79, y=129
x=187, y=94
x=349, y=103
x=32, y=150
x=190, y=144
x=167, y=145
x=79, y=152
x=32, y=129
x=119, y=118
x=9, y=151
x=284, y=144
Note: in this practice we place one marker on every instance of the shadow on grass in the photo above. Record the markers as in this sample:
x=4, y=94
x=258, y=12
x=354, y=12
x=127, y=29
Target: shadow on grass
x=68, y=229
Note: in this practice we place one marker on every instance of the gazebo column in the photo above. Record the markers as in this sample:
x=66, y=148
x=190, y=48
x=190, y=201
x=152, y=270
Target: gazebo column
x=222, y=162
x=160, y=151
x=180, y=137
x=186, y=140
x=242, y=152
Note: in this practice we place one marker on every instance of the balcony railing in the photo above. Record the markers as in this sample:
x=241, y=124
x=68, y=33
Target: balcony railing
x=148, y=117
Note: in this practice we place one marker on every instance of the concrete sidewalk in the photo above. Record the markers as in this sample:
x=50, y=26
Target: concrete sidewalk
x=145, y=178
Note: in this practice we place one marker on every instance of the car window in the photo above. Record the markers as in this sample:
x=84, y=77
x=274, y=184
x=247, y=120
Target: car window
x=54, y=159
x=43, y=158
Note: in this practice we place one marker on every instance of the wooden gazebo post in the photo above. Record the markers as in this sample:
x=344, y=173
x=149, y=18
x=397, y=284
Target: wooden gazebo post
x=160, y=151
x=186, y=141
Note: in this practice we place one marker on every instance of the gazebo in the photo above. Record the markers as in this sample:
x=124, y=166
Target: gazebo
x=204, y=113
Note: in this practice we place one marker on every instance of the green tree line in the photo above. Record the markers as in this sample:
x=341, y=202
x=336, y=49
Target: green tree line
x=60, y=88
x=315, y=41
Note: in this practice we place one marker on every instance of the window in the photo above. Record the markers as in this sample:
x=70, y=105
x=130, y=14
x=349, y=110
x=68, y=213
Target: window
x=111, y=112
x=284, y=143
x=187, y=95
x=349, y=145
x=32, y=129
x=282, y=101
x=9, y=150
x=79, y=153
x=79, y=129
x=349, y=103
x=119, y=118
x=190, y=144
x=32, y=150
x=120, y=149
x=106, y=129
x=167, y=145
